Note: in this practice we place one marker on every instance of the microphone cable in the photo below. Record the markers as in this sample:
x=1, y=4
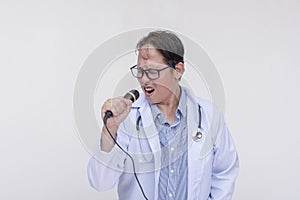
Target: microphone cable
x=133, y=165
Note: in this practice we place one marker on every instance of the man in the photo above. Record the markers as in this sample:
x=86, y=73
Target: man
x=157, y=131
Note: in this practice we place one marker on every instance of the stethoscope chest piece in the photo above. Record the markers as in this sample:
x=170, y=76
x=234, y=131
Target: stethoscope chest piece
x=197, y=135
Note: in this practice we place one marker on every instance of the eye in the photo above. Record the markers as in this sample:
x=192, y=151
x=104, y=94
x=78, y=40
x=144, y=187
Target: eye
x=139, y=71
x=152, y=71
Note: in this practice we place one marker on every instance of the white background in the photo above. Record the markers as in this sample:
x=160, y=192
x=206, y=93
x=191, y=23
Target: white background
x=255, y=45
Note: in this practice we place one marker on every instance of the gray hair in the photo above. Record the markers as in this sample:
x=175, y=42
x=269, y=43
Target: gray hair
x=167, y=43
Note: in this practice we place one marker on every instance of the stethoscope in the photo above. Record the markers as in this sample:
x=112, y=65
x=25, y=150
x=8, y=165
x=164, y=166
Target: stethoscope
x=196, y=135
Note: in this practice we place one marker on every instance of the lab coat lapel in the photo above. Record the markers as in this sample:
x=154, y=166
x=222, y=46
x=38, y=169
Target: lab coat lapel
x=150, y=128
x=153, y=139
x=192, y=122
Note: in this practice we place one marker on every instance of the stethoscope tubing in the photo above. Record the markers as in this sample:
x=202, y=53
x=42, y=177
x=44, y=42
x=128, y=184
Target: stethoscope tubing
x=196, y=137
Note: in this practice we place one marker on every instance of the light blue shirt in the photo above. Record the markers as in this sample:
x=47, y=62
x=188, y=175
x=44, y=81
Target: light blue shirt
x=173, y=139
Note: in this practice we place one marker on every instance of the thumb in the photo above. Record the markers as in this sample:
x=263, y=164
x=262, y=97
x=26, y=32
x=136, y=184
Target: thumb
x=128, y=103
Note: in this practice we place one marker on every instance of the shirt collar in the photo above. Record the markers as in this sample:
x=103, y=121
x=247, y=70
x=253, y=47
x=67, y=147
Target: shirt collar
x=182, y=103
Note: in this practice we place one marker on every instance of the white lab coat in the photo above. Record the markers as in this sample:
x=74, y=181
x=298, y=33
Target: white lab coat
x=212, y=161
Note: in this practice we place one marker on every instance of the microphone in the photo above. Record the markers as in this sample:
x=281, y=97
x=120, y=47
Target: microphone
x=132, y=95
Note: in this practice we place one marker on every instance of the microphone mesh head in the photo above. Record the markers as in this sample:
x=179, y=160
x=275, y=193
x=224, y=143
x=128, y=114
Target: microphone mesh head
x=132, y=95
x=136, y=93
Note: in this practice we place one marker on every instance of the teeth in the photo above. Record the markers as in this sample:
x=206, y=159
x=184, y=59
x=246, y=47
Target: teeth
x=148, y=89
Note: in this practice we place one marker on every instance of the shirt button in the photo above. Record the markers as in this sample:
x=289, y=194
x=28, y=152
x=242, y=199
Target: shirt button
x=172, y=149
x=172, y=171
x=170, y=194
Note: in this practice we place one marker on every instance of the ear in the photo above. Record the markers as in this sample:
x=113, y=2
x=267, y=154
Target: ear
x=179, y=67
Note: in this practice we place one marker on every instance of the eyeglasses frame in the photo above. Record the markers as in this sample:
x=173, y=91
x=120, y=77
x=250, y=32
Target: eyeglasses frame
x=146, y=71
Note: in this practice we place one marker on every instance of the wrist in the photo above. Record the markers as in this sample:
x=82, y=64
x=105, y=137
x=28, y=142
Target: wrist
x=106, y=141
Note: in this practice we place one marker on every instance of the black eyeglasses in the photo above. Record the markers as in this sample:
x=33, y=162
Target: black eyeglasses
x=151, y=74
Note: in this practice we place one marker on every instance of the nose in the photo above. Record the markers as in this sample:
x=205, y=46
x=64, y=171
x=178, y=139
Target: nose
x=144, y=79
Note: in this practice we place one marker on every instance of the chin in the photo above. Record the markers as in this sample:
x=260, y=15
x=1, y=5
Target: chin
x=152, y=100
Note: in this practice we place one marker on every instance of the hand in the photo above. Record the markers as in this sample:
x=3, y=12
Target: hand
x=120, y=107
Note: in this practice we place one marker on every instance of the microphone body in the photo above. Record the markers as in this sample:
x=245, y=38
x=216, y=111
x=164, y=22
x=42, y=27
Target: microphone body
x=132, y=95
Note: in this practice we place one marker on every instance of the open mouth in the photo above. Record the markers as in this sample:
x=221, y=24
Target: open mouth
x=149, y=90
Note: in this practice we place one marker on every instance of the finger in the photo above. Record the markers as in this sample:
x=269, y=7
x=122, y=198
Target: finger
x=107, y=105
x=116, y=106
x=119, y=106
x=128, y=104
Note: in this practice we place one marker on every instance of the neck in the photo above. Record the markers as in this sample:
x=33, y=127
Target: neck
x=168, y=108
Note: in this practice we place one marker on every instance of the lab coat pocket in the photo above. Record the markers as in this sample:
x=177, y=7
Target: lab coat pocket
x=201, y=173
x=144, y=159
x=143, y=163
x=203, y=167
